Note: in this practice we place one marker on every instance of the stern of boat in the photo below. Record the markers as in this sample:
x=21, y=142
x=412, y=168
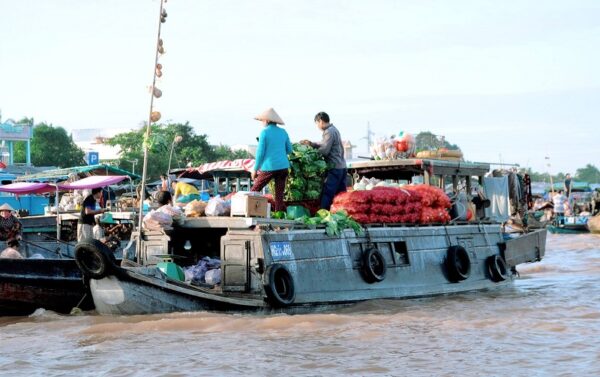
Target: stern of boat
x=526, y=248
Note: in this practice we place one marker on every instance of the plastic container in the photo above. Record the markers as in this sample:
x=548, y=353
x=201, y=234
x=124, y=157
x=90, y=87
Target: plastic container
x=172, y=270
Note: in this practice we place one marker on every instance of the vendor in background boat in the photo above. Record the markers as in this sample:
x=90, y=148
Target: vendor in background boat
x=184, y=192
x=332, y=149
x=559, y=201
x=10, y=226
x=271, y=162
x=85, y=226
x=12, y=251
x=567, y=184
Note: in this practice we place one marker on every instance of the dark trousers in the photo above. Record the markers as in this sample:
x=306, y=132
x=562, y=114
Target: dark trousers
x=335, y=182
x=264, y=177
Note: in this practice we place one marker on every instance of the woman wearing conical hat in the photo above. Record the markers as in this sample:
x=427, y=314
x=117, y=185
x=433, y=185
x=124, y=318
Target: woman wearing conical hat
x=271, y=161
x=10, y=226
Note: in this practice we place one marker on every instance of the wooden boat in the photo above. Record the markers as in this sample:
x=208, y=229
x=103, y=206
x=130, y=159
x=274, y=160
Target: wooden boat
x=593, y=224
x=569, y=225
x=269, y=264
x=52, y=284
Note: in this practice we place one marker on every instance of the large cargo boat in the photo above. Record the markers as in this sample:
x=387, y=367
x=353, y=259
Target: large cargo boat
x=269, y=264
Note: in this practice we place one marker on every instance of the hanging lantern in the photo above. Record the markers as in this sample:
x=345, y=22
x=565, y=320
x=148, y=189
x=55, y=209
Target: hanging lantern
x=158, y=73
x=162, y=19
x=161, y=50
x=164, y=13
x=155, y=116
x=157, y=92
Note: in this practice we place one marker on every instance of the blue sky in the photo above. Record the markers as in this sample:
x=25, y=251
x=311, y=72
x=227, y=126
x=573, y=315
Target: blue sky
x=509, y=81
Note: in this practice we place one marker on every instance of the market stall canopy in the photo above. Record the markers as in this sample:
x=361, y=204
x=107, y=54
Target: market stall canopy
x=58, y=175
x=575, y=186
x=24, y=188
x=93, y=182
x=204, y=171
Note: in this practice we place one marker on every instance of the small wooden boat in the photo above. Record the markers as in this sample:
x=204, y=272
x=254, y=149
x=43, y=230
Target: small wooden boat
x=569, y=225
x=593, y=224
x=52, y=284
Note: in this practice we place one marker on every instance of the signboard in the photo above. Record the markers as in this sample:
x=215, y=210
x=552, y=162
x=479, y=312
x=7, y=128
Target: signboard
x=281, y=251
x=10, y=130
x=92, y=158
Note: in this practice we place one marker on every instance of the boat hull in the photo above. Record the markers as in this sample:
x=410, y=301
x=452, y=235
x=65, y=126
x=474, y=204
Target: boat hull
x=52, y=284
x=325, y=270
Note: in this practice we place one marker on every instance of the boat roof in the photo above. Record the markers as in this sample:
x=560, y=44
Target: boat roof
x=407, y=168
x=56, y=175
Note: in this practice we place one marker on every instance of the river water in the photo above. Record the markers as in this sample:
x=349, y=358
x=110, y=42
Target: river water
x=546, y=324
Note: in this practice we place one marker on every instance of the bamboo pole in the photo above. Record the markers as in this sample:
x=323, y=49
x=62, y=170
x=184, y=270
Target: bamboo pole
x=148, y=129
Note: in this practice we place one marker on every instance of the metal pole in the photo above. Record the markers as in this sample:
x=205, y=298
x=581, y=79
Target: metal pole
x=171, y=156
x=147, y=135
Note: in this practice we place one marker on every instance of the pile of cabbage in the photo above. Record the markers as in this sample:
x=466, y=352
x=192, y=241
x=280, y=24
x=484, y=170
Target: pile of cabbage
x=307, y=171
x=334, y=222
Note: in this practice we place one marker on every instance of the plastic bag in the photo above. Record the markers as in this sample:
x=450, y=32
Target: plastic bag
x=217, y=207
x=213, y=277
x=197, y=273
x=156, y=220
x=195, y=208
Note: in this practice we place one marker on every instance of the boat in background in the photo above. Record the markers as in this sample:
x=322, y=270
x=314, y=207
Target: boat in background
x=52, y=284
x=569, y=224
x=593, y=224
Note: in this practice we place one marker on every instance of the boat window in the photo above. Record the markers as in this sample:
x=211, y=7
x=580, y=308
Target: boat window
x=401, y=253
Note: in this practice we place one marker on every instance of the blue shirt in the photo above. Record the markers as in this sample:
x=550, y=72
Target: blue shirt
x=273, y=147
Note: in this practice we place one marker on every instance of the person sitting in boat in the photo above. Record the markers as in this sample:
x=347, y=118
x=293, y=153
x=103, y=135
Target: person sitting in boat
x=10, y=226
x=12, y=251
x=559, y=200
x=98, y=231
x=184, y=192
x=271, y=161
x=85, y=226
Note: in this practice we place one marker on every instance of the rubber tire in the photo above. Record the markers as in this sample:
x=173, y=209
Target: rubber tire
x=373, y=266
x=279, y=286
x=497, y=268
x=94, y=259
x=458, y=264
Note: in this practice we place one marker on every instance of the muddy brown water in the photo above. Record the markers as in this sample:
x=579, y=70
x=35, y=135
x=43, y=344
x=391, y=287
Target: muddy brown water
x=546, y=324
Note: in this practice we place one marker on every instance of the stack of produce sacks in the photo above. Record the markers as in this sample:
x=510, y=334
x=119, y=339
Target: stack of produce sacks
x=419, y=204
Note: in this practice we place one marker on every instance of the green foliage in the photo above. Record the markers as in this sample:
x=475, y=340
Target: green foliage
x=194, y=149
x=589, y=173
x=334, y=222
x=429, y=141
x=50, y=146
x=307, y=168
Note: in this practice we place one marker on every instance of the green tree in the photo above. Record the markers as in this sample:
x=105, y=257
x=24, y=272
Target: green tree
x=192, y=148
x=428, y=141
x=50, y=146
x=589, y=173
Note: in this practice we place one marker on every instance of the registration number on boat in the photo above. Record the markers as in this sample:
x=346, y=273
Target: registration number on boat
x=281, y=250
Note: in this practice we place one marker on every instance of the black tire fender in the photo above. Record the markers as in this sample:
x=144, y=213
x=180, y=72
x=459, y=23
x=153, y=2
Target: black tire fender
x=94, y=259
x=279, y=286
x=373, y=266
x=458, y=263
x=497, y=268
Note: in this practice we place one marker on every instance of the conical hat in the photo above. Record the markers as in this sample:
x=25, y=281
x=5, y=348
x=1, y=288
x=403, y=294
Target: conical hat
x=270, y=116
x=6, y=207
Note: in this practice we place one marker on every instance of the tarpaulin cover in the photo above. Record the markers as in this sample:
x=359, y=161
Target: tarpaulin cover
x=23, y=188
x=92, y=182
x=239, y=164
